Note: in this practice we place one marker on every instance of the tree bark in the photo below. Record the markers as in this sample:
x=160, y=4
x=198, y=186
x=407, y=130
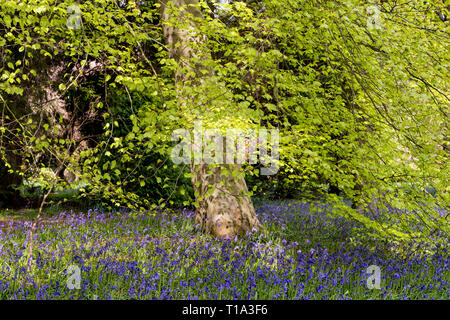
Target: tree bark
x=227, y=211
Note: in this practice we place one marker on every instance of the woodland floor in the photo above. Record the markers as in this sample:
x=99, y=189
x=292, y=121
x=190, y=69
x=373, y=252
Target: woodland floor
x=305, y=254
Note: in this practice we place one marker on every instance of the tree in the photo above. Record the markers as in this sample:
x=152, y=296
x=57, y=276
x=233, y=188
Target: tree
x=224, y=207
x=358, y=92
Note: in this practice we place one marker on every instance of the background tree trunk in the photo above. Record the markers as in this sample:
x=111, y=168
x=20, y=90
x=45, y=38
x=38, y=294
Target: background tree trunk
x=227, y=211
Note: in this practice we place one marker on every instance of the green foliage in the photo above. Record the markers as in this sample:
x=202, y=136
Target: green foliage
x=362, y=108
x=139, y=168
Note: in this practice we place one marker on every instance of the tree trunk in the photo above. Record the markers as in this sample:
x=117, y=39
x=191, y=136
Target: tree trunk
x=228, y=210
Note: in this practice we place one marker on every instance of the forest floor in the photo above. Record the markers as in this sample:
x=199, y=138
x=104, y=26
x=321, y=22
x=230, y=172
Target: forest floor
x=305, y=254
